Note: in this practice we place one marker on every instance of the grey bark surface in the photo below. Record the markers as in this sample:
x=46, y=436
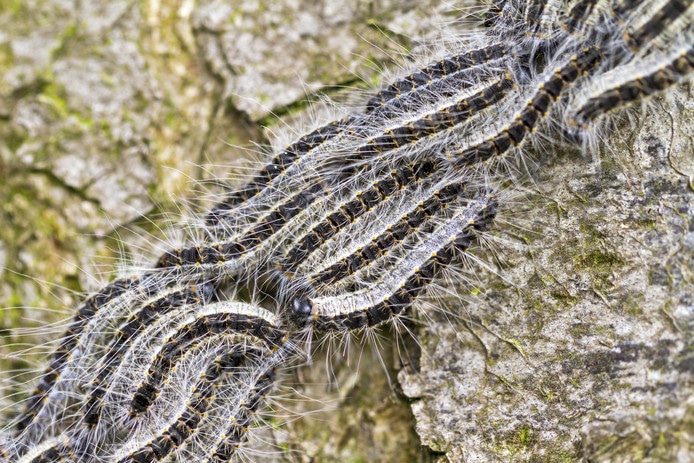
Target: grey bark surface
x=575, y=341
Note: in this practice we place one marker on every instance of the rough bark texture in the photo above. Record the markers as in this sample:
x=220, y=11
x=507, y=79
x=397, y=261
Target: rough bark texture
x=577, y=346
x=581, y=347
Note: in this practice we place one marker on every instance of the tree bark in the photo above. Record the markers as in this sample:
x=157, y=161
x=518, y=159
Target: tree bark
x=574, y=340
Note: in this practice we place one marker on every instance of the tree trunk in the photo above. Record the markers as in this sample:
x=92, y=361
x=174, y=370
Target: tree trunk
x=575, y=341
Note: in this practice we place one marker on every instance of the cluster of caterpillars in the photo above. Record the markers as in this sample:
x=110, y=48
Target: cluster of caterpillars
x=346, y=228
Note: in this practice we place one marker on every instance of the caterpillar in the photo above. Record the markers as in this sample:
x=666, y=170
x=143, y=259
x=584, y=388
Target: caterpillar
x=260, y=224
x=400, y=285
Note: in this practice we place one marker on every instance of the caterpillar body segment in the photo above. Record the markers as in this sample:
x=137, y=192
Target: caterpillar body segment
x=54, y=399
x=126, y=334
x=84, y=313
x=55, y=450
x=398, y=98
x=162, y=346
x=215, y=324
x=656, y=22
x=369, y=263
x=239, y=422
x=192, y=355
x=199, y=428
x=579, y=12
x=359, y=140
x=625, y=85
x=190, y=426
x=450, y=74
x=278, y=165
x=404, y=284
x=535, y=111
x=359, y=243
x=379, y=246
x=231, y=257
x=363, y=201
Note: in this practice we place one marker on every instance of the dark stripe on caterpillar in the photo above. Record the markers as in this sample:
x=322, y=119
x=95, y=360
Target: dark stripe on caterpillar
x=641, y=86
x=364, y=200
x=240, y=422
x=403, y=94
x=438, y=121
x=188, y=422
x=536, y=109
x=85, y=312
x=219, y=254
x=579, y=12
x=408, y=223
x=277, y=166
x=259, y=326
x=134, y=287
x=387, y=299
x=392, y=97
x=125, y=336
x=657, y=23
x=224, y=253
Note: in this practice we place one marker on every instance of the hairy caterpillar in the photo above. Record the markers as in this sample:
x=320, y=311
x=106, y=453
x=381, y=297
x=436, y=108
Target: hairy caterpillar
x=397, y=287
x=533, y=108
